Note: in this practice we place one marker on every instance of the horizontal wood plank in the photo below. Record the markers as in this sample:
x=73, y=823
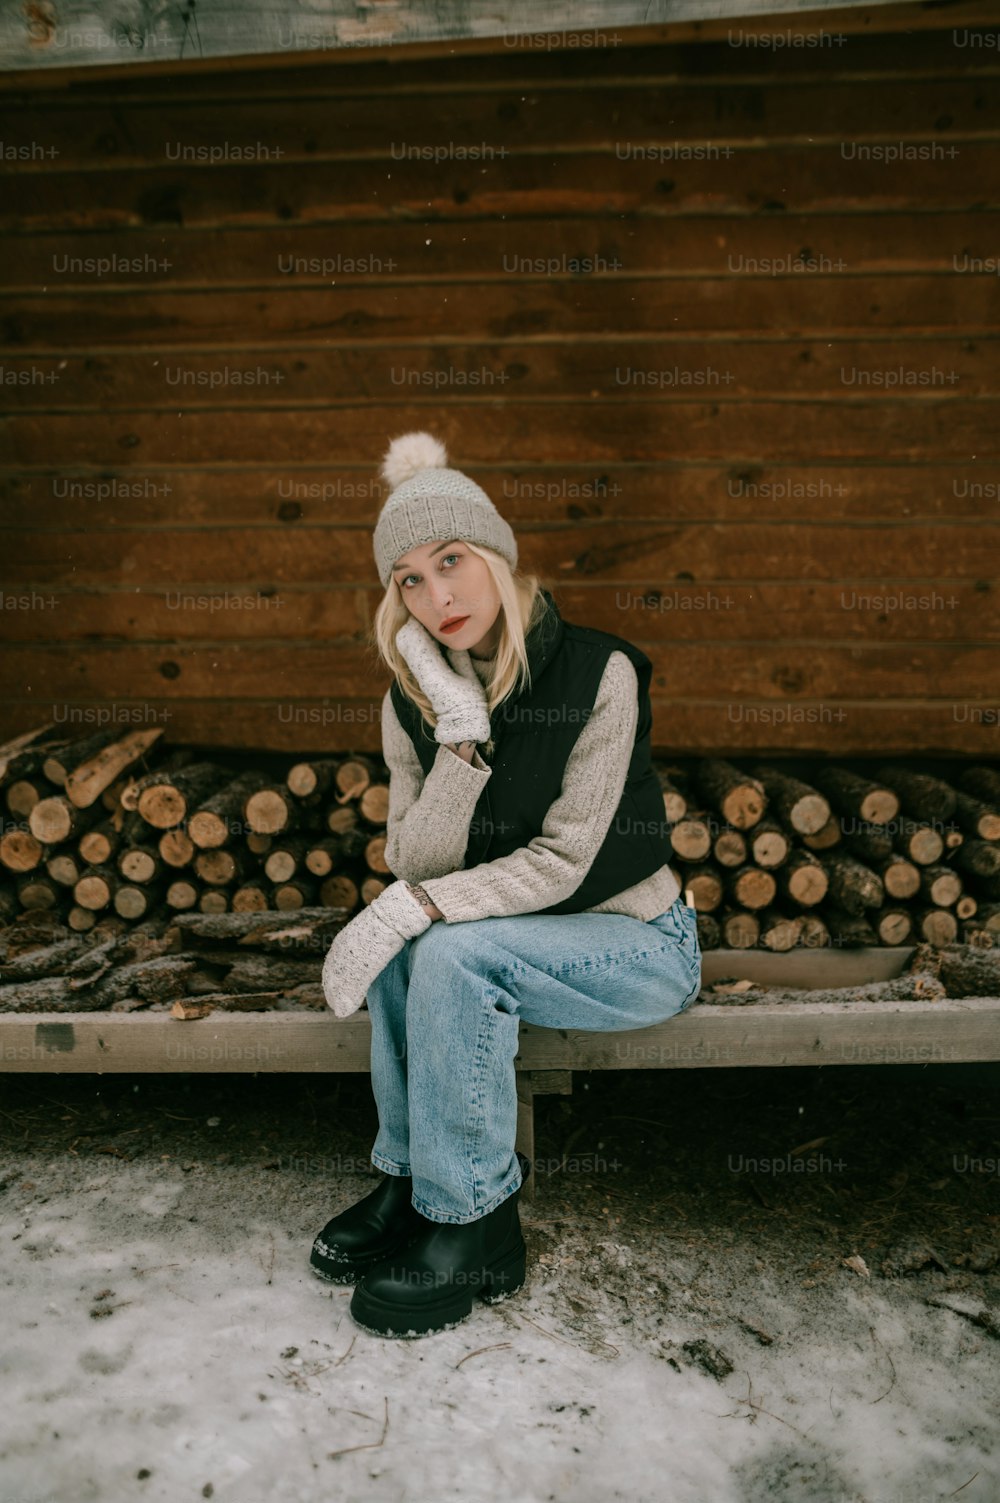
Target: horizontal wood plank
x=943, y=175
x=658, y=370
x=575, y=248
x=303, y=670
x=651, y=555
x=87, y=138
x=934, y=428
x=611, y=491
x=370, y=322
x=883, y=611
x=707, y=1035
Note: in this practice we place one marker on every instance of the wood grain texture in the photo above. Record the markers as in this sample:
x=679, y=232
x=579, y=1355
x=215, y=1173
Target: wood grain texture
x=578, y=248
x=739, y=404
x=707, y=1036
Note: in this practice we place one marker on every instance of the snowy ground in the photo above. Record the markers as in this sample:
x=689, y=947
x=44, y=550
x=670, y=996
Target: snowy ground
x=164, y=1338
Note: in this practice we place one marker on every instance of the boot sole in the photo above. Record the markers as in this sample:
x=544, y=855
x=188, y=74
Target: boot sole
x=380, y=1318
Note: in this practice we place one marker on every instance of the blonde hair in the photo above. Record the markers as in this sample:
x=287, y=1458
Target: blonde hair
x=522, y=604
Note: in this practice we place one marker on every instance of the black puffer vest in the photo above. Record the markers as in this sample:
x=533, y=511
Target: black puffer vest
x=533, y=735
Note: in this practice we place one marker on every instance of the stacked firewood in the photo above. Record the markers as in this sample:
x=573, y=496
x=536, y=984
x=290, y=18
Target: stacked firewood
x=836, y=857
x=112, y=831
x=91, y=830
x=190, y=965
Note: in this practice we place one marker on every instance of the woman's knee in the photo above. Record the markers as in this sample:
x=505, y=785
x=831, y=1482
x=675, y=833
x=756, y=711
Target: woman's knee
x=448, y=966
x=439, y=943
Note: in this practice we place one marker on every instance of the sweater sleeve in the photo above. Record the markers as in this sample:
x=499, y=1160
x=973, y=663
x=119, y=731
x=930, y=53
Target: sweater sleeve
x=427, y=826
x=553, y=864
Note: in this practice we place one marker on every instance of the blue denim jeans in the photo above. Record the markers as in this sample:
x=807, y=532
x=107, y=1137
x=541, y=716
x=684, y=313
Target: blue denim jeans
x=444, y=1021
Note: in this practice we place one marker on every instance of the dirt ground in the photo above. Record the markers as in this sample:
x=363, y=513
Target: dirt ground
x=743, y=1285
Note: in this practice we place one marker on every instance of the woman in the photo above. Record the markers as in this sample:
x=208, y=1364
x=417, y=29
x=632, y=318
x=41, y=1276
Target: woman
x=526, y=831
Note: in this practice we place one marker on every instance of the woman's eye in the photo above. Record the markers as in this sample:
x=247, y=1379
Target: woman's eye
x=408, y=577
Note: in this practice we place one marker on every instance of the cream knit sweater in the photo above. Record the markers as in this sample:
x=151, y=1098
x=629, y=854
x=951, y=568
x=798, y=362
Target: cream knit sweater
x=429, y=818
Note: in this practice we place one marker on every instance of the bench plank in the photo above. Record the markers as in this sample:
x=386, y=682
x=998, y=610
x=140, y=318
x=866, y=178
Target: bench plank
x=762, y=1034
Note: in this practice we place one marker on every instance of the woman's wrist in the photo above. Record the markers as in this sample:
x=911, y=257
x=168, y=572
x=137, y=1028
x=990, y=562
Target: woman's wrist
x=424, y=901
x=464, y=749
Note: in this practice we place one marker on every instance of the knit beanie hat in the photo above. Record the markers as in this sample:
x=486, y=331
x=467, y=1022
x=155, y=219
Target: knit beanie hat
x=430, y=503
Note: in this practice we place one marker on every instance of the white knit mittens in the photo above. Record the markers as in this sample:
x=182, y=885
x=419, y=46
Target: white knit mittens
x=365, y=946
x=458, y=698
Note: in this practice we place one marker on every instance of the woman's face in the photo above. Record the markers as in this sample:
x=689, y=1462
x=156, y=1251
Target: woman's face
x=439, y=581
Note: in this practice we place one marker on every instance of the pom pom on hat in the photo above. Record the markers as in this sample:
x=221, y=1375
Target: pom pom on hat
x=407, y=455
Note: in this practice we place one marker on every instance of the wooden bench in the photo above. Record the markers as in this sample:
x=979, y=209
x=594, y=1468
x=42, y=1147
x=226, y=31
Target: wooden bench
x=706, y=1035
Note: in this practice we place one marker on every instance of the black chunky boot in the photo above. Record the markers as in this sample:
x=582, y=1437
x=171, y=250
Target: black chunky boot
x=430, y=1284
x=367, y=1232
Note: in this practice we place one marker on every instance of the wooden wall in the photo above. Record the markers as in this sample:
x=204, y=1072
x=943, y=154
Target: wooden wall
x=199, y=555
